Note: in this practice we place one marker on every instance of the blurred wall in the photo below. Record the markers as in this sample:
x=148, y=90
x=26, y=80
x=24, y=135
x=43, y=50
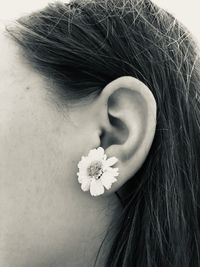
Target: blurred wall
x=187, y=11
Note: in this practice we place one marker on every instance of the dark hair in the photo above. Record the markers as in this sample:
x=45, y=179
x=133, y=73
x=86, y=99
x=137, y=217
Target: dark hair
x=84, y=45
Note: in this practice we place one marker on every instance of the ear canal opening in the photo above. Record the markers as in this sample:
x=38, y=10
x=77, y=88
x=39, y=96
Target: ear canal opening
x=120, y=129
x=117, y=136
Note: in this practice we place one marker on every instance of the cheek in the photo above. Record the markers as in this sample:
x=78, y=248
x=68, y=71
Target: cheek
x=43, y=206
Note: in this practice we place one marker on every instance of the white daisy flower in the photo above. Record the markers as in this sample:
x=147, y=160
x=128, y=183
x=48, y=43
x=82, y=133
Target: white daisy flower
x=96, y=172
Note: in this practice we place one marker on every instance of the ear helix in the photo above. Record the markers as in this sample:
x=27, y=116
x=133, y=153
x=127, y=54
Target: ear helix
x=96, y=172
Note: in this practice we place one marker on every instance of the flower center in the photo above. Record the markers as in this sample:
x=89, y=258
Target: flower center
x=95, y=169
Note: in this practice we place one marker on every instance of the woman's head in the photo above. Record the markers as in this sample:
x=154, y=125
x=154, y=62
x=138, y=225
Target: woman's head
x=122, y=75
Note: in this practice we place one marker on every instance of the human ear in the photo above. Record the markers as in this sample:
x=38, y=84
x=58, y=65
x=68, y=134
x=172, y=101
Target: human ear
x=127, y=117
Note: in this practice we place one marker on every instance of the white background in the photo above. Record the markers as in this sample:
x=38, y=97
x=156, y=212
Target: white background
x=187, y=11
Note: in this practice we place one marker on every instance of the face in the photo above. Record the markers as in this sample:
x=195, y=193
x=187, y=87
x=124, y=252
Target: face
x=46, y=220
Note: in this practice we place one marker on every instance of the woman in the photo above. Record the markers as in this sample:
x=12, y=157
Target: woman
x=85, y=84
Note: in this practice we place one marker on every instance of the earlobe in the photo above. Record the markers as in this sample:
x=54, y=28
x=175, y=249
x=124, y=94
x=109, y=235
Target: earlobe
x=130, y=125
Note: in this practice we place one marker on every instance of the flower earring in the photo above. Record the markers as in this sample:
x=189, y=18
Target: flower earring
x=96, y=172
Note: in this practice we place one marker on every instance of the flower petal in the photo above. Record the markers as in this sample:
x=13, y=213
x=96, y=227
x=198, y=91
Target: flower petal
x=93, y=154
x=100, y=151
x=96, y=154
x=107, y=180
x=83, y=171
x=83, y=163
x=111, y=161
x=96, y=188
x=85, y=186
x=81, y=178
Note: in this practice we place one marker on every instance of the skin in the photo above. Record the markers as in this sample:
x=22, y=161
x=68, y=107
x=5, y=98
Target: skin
x=46, y=220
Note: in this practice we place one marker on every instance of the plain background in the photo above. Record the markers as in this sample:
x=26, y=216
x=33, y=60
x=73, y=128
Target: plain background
x=186, y=11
